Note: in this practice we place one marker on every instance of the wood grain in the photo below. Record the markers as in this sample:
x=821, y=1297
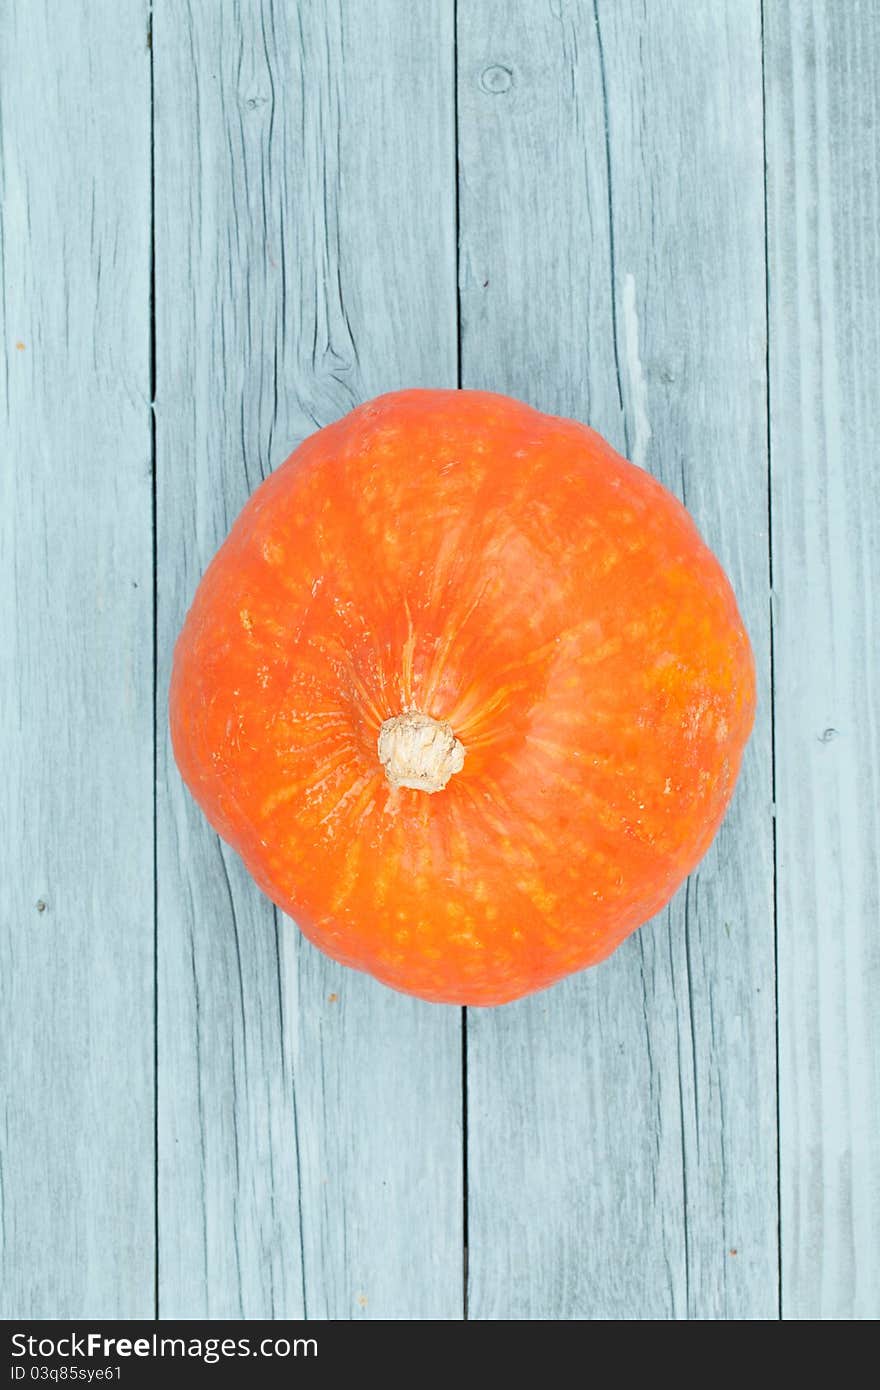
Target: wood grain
x=622, y=1127
x=823, y=181
x=76, y=677
x=309, y=1120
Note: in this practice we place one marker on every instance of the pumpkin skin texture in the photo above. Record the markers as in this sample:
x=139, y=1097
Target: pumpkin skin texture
x=507, y=574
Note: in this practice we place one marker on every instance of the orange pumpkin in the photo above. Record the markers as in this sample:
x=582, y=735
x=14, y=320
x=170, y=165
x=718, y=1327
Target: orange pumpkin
x=466, y=691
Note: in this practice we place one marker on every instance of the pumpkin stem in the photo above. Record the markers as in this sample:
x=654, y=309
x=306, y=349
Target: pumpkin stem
x=419, y=752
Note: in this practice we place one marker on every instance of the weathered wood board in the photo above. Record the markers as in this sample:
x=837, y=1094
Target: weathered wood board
x=309, y=1120
x=76, y=664
x=622, y=1128
x=823, y=184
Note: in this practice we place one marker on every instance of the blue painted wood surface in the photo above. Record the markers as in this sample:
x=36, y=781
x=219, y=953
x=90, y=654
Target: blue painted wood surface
x=309, y=1119
x=624, y=322
x=221, y=226
x=76, y=664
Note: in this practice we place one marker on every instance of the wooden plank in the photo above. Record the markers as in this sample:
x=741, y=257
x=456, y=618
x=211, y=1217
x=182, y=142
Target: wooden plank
x=622, y=1127
x=310, y=1120
x=76, y=675
x=823, y=181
